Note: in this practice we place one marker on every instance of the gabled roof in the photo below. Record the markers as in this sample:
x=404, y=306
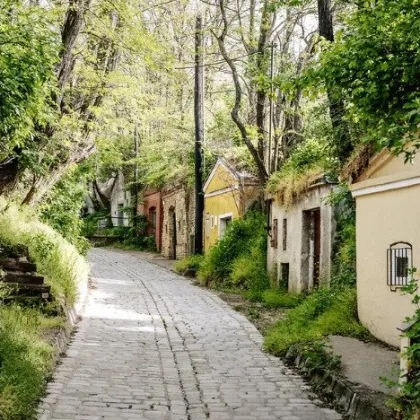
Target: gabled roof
x=239, y=175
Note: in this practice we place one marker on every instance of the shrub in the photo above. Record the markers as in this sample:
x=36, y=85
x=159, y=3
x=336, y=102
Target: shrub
x=61, y=208
x=280, y=299
x=249, y=270
x=322, y=313
x=239, y=257
x=59, y=261
x=344, y=261
x=190, y=263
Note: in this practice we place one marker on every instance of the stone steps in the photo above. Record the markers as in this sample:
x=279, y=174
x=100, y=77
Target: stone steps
x=22, y=280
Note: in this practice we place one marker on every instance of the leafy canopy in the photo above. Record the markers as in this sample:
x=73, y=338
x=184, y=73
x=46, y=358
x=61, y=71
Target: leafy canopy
x=28, y=52
x=375, y=62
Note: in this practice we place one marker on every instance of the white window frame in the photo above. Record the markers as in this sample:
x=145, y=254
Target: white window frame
x=221, y=218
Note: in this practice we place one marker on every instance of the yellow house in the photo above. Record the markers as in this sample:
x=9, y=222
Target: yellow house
x=387, y=198
x=227, y=195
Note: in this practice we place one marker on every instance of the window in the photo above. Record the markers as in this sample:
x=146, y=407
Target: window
x=400, y=263
x=120, y=214
x=152, y=219
x=207, y=225
x=224, y=221
x=284, y=234
x=284, y=273
x=275, y=233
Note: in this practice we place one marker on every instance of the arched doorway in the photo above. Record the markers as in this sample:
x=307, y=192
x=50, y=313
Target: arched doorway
x=172, y=234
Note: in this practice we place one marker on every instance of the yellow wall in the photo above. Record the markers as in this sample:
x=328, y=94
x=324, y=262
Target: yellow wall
x=385, y=217
x=214, y=207
x=222, y=178
x=391, y=165
x=222, y=202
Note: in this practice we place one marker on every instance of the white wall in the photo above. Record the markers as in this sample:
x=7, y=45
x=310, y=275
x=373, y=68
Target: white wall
x=294, y=255
x=119, y=196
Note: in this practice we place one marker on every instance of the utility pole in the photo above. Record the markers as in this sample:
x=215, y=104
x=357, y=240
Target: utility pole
x=199, y=133
x=136, y=175
x=270, y=129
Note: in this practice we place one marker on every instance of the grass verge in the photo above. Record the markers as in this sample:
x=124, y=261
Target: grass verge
x=26, y=350
x=26, y=359
x=322, y=313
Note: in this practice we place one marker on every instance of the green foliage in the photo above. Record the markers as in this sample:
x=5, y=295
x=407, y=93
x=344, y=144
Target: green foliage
x=59, y=261
x=317, y=356
x=192, y=262
x=375, y=63
x=239, y=258
x=28, y=52
x=26, y=359
x=408, y=401
x=62, y=207
x=306, y=155
x=249, y=269
x=307, y=163
x=322, y=313
x=275, y=298
x=344, y=260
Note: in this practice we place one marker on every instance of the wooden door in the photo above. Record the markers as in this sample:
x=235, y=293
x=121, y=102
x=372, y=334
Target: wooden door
x=316, y=214
x=174, y=235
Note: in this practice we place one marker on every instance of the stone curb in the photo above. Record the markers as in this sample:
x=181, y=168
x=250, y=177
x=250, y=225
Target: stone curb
x=73, y=316
x=355, y=401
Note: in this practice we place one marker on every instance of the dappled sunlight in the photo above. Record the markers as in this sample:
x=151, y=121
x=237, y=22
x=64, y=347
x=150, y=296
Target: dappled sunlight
x=114, y=282
x=139, y=329
x=109, y=311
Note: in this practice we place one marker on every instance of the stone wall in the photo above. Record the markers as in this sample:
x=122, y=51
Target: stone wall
x=178, y=222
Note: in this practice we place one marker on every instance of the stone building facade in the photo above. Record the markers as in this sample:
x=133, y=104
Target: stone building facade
x=300, y=241
x=178, y=226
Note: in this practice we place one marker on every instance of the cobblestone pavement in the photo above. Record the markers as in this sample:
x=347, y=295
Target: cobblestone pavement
x=153, y=346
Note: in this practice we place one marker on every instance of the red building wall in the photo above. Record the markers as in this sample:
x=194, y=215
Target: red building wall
x=152, y=203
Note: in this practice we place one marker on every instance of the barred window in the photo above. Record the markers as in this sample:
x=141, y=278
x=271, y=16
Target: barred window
x=400, y=263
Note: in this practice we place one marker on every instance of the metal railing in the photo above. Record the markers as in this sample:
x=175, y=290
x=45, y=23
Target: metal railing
x=112, y=226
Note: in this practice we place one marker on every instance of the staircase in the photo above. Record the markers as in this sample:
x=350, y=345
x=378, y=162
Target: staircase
x=20, y=275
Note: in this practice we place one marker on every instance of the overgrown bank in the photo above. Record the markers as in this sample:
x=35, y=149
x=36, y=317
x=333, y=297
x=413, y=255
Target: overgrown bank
x=28, y=327
x=237, y=264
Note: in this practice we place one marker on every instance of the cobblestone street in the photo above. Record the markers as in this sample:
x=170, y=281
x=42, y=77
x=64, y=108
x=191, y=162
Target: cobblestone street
x=153, y=346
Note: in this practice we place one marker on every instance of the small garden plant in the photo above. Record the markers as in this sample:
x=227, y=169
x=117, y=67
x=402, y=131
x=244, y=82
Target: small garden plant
x=407, y=403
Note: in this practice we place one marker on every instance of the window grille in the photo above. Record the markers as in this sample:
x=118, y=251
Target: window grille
x=400, y=264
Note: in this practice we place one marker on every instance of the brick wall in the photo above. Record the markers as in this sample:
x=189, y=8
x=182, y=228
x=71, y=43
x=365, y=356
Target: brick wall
x=152, y=199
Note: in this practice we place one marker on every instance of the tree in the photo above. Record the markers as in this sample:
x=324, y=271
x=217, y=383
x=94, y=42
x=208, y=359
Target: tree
x=375, y=62
x=342, y=140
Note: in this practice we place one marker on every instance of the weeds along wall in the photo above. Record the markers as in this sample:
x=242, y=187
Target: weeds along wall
x=239, y=258
x=58, y=260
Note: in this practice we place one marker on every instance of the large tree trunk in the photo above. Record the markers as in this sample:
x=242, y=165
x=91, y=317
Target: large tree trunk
x=235, y=113
x=342, y=139
x=262, y=68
